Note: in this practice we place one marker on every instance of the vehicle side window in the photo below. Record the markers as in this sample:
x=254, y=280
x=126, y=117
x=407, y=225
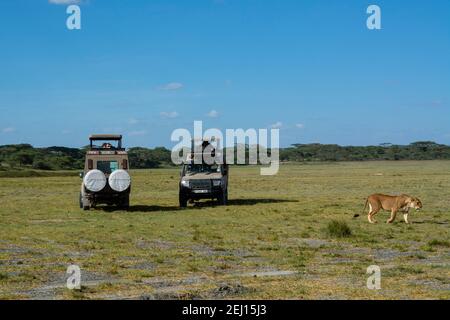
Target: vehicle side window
x=90, y=164
x=125, y=164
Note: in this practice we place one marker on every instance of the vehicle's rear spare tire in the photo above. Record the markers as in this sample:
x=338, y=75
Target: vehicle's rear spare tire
x=94, y=180
x=119, y=180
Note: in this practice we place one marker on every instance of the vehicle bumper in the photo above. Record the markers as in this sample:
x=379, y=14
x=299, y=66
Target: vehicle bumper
x=201, y=193
x=106, y=196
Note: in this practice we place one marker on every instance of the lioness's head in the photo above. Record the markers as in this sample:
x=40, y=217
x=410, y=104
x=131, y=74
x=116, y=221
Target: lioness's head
x=415, y=203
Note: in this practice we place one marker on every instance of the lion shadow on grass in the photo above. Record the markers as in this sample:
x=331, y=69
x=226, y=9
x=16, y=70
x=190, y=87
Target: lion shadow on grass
x=429, y=222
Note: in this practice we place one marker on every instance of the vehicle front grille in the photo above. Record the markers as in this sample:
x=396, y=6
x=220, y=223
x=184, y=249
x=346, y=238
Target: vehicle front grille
x=200, y=184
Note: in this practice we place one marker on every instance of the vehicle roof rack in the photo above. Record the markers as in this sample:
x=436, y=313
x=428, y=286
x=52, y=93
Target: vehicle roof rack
x=106, y=137
x=112, y=137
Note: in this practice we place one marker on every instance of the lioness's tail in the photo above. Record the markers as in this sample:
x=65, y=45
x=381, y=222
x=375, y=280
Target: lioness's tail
x=364, y=210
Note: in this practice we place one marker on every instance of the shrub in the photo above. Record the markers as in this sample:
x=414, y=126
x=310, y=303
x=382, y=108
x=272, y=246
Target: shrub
x=41, y=164
x=338, y=229
x=438, y=243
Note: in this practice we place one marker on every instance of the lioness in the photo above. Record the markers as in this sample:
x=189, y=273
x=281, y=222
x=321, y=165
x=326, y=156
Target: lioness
x=391, y=203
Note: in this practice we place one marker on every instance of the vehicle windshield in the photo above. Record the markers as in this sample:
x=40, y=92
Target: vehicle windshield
x=107, y=166
x=201, y=168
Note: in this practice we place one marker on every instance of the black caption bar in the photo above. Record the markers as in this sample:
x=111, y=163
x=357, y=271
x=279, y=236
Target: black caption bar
x=218, y=309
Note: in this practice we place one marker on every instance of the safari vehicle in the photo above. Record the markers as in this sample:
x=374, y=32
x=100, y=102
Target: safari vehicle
x=200, y=180
x=105, y=177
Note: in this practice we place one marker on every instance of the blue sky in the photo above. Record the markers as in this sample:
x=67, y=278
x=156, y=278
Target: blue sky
x=144, y=68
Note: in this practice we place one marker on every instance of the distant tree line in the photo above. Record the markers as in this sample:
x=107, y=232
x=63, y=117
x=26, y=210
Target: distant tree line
x=62, y=158
x=52, y=158
x=422, y=150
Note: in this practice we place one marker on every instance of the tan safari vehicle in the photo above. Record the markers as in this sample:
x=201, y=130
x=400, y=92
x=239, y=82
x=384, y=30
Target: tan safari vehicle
x=105, y=177
x=201, y=180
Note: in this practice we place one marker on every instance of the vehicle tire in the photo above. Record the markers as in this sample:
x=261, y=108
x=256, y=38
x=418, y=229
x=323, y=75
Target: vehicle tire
x=125, y=203
x=183, y=201
x=82, y=205
x=223, y=198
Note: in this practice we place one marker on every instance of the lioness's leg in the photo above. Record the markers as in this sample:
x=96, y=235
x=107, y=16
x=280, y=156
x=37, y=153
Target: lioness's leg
x=393, y=215
x=372, y=213
x=405, y=217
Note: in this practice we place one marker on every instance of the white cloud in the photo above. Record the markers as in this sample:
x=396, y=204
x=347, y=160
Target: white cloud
x=436, y=103
x=213, y=114
x=170, y=115
x=133, y=121
x=276, y=125
x=8, y=130
x=65, y=2
x=300, y=125
x=137, y=133
x=172, y=86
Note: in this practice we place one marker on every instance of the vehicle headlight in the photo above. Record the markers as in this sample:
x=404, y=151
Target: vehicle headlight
x=217, y=183
x=185, y=183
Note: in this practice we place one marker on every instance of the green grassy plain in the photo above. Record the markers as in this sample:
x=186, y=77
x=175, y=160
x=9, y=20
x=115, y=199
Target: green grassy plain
x=271, y=241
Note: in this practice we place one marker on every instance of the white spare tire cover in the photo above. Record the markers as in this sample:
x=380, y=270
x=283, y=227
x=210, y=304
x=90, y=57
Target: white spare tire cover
x=119, y=180
x=94, y=180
